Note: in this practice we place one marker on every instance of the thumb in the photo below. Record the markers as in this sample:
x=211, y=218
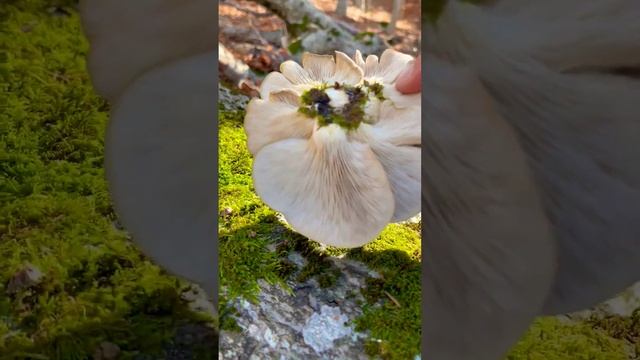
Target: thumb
x=410, y=80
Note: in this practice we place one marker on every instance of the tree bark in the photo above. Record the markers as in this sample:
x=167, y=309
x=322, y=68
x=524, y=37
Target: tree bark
x=341, y=8
x=396, y=13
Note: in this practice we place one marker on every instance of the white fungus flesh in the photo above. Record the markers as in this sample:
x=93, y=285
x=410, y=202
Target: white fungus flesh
x=334, y=150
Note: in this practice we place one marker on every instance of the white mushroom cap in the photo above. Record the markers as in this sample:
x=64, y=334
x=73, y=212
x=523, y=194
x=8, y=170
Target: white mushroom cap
x=159, y=147
x=128, y=39
x=402, y=164
x=335, y=186
x=274, y=123
x=387, y=68
x=328, y=188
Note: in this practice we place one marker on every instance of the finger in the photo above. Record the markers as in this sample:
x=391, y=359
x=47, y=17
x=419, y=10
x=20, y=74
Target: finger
x=410, y=80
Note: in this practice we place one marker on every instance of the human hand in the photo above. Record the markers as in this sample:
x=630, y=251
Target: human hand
x=410, y=80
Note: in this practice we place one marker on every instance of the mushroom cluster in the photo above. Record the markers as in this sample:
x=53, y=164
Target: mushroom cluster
x=336, y=147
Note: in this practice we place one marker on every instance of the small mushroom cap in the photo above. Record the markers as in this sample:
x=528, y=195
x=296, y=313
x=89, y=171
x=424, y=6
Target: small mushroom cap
x=401, y=100
x=317, y=69
x=295, y=73
x=402, y=167
x=267, y=122
x=387, y=69
x=274, y=82
x=400, y=126
x=347, y=71
x=396, y=140
x=160, y=166
x=329, y=188
x=359, y=60
x=129, y=37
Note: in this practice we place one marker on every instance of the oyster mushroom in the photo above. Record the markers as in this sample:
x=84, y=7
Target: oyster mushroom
x=572, y=117
x=159, y=75
x=336, y=148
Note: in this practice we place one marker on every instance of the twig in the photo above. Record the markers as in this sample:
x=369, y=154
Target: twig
x=392, y=299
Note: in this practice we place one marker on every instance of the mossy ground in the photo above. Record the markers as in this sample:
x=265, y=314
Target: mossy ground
x=550, y=339
x=55, y=211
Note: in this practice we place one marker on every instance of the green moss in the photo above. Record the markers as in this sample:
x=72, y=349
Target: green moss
x=55, y=211
x=327, y=280
x=549, y=339
x=295, y=47
x=366, y=37
x=318, y=263
x=396, y=255
x=227, y=321
x=374, y=290
x=286, y=268
x=315, y=104
x=353, y=112
x=626, y=328
x=376, y=89
x=297, y=29
x=247, y=226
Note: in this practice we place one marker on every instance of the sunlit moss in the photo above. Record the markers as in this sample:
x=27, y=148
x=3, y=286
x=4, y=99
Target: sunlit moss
x=550, y=339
